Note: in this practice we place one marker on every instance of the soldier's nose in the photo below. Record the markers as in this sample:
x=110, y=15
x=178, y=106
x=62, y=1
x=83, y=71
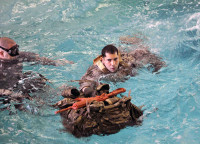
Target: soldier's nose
x=112, y=63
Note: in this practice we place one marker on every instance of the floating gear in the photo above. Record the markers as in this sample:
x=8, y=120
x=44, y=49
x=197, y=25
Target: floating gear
x=100, y=117
x=70, y=92
x=102, y=88
x=83, y=101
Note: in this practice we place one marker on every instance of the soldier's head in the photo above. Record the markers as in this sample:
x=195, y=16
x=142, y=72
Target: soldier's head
x=8, y=48
x=110, y=58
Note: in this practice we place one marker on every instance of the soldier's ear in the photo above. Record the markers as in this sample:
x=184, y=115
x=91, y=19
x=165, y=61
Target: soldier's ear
x=101, y=58
x=1, y=54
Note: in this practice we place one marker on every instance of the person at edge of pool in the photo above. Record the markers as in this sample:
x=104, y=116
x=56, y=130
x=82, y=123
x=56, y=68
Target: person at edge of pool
x=114, y=65
x=14, y=84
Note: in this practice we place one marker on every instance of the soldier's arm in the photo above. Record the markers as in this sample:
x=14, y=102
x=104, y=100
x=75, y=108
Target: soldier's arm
x=5, y=92
x=13, y=95
x=144, y=57
x=89, y=81
x=156, y=62
x=32, y=57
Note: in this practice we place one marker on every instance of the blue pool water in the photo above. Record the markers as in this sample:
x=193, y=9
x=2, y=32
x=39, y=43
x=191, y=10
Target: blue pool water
x=77, y=30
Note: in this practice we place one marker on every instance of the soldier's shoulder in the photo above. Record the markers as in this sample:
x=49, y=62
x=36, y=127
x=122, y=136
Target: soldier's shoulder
x=93, y=68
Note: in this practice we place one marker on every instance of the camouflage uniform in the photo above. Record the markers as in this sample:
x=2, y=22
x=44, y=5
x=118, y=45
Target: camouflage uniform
x=129, y=63
x=16, y=85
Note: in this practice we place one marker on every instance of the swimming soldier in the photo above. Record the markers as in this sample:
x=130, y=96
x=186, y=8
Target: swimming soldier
x=96, y=110
x=114, y=65
x=13, y=82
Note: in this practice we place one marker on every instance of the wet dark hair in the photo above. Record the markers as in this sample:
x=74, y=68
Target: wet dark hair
x=109, y=49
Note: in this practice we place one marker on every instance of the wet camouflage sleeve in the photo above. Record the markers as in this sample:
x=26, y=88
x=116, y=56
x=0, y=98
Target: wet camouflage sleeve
x=141, y=57
x=91, y=77
x=32, y=57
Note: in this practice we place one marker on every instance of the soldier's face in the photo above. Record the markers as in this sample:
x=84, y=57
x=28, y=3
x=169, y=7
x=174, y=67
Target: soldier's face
x=5, y=55
x=111, y=61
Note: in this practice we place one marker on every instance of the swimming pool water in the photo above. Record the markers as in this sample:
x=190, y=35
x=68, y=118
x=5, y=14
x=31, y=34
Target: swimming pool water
x=77, y=30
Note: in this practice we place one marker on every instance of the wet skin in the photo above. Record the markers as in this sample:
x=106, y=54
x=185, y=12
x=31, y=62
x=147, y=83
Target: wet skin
x=111, y=61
